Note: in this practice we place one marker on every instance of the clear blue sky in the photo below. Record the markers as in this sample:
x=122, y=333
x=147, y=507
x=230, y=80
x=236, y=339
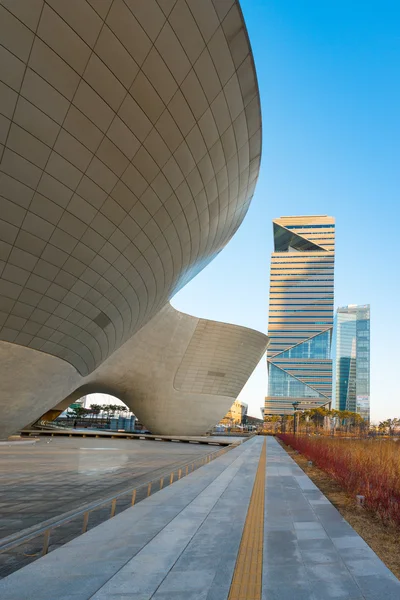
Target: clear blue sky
x=329, y=76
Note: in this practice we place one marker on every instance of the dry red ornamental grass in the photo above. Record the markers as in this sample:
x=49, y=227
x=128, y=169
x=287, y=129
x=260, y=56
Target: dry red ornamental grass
x=370, y=468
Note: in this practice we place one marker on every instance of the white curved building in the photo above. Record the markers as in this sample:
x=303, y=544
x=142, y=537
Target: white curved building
x=130, y=141
x=178, y=373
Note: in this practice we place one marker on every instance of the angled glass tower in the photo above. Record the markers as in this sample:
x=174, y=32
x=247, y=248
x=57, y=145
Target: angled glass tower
x=301, y=314
x=351, y=381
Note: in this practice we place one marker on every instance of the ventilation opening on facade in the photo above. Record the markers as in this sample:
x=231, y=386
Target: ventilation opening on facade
x=102, y=320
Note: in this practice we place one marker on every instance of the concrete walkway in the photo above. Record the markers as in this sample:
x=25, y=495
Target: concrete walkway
x=183, y=543
x=310, y=551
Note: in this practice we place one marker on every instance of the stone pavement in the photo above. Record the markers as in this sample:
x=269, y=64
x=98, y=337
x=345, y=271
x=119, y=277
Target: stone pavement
x=56, y=475
x=183, y=543
x=310, y=551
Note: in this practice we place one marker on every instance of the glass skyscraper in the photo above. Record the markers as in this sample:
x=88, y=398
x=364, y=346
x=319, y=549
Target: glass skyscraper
x=352, y=359
x=301, y=314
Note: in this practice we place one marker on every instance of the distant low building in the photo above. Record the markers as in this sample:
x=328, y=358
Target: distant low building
x=250, y=421
x=79, y=403
x=235, y=414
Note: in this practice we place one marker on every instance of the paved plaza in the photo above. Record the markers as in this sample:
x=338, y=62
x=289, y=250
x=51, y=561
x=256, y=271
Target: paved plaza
x=43, y=480
x=192, y=539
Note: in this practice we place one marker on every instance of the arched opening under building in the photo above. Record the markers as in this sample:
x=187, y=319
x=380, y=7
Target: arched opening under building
x=95, y=411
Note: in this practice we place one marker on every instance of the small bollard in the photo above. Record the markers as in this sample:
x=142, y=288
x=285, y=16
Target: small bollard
x=85, y=522
x=310, y=463
x=171, y=479
x=149, y=490
x=133, y=498
x=360, y=500
x=113, y=508
x=187, y=469
x=161, y=483
x=46, y=542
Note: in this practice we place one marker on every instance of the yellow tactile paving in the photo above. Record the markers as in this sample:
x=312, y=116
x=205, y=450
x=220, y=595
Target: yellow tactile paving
x=246, y=582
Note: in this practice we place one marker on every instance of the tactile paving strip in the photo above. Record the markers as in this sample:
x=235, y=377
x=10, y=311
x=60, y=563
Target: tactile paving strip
x=247, y=577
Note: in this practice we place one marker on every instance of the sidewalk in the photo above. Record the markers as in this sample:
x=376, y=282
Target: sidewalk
x=187, y=543
x=310, y=551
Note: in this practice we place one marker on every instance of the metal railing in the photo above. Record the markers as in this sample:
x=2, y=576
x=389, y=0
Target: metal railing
x=107, y=433
x=46, y=527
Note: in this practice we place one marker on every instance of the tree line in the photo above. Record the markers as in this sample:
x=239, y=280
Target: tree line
x=324, y=420
x=79, y=412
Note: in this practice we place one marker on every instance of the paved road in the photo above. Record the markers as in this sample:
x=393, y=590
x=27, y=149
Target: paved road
x=187, y=543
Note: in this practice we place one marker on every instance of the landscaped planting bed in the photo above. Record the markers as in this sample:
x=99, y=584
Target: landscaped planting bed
x=369, y=468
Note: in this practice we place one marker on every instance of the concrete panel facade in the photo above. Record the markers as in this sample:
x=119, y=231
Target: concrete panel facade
x=143, y=373
x=129, y=152
x=130, y=144
x=213, y=369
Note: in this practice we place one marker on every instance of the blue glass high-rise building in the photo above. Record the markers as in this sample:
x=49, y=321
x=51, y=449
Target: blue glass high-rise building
x=351, y=359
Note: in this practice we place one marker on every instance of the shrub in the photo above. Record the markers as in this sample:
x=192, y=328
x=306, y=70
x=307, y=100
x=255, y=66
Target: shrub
x=367, y=467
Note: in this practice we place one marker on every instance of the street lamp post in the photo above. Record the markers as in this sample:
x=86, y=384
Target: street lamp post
x=295, y=405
